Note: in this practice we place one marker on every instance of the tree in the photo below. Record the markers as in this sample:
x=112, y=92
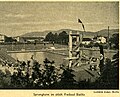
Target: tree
x=115, y=71
x=49, y=37
x=67, y=79
x=63, y=37
x=9, y=39
x=114, y=40
x=109, y=78
x=50, y=74
x=56, y=38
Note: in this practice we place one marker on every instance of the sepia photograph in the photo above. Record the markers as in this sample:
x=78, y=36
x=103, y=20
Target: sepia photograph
x=59, y=45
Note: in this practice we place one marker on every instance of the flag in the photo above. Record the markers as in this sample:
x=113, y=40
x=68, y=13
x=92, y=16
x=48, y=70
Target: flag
x=83, y=27
x=79, y=21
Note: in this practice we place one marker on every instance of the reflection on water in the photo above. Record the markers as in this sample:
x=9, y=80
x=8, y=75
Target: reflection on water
x=39, y=56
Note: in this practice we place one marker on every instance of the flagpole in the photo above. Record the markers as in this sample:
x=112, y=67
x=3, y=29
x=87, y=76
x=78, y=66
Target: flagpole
x=82, y=36
x=79, y=21
x=108, y=38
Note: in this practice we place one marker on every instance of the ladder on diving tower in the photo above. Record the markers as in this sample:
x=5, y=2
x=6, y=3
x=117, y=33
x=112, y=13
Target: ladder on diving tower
x=75, y=39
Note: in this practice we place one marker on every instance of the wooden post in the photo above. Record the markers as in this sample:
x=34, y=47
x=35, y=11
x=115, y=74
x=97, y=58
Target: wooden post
x=81, y=51
x=78, y=50
x=77, y=41
x=70, y=49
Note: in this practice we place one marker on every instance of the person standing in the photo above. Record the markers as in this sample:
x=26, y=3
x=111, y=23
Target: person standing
x=101, y=65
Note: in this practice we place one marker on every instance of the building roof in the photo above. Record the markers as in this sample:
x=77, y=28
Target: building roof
x=86, y=39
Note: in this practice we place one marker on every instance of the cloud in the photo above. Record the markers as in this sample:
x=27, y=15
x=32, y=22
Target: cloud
x=18, y=15
x=23, y=23
x=94, y=23
x=37, y=23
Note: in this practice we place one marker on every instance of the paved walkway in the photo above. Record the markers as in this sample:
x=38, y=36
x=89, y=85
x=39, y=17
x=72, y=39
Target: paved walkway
x=84, y=73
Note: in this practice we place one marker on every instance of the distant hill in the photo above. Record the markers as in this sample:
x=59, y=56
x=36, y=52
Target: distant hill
x=44, y=33
x=103, y=32
x=35, y=34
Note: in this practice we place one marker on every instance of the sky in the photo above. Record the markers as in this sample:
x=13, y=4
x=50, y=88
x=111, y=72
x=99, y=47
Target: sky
x=17, y=18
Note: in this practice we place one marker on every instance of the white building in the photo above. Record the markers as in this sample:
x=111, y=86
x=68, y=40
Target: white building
x=2, y=38
x=19, y=39
x=101, y=39
x=29, y=39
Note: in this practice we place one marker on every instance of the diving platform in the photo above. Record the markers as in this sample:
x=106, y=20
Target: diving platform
x=74, y=52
